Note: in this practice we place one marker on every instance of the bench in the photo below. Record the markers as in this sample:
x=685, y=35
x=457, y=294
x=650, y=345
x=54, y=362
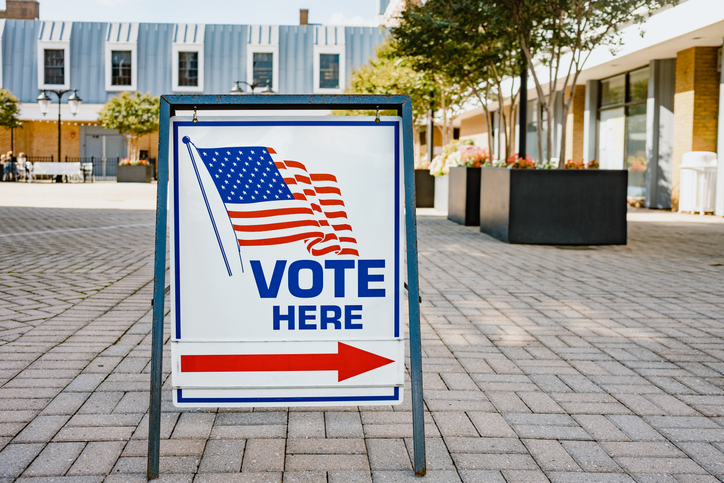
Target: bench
x=71, y=170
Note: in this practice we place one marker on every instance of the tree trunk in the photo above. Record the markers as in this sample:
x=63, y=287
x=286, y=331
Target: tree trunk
x=132, y=143
x=539, y=131
x=416, y=145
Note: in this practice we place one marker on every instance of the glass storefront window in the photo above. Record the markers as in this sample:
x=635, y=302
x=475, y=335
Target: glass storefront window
x=613, y=91
x=636, y=149
x=638, y=85
x=611, y=138
x=622, y=127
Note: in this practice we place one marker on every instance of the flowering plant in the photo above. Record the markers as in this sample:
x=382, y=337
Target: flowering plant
x=516, y=162
x=128, y=162
x=423, y=163
x=575, y=164
x=592, y=164
x=636, y=163
x=475, y=157
x=450, y=156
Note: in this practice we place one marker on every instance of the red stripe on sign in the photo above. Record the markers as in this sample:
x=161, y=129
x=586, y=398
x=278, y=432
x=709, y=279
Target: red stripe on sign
x=295, y=164
x=271, y=151
x=280, y=240
x=328, y=190
x=265, y=213
x=276, y=226
x=323, y=177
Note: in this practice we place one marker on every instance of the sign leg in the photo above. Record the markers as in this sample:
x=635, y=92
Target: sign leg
x=413, y=295
x=159, y=282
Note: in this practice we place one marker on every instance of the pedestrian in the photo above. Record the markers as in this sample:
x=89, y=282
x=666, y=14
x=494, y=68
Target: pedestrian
x=6, y=167
x=9, y=158
x=22, y=168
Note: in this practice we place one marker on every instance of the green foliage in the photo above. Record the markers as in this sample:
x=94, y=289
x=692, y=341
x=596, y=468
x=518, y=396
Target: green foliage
x=9, y=110
x=132, y=114
x=391, y=74
x=471, y=42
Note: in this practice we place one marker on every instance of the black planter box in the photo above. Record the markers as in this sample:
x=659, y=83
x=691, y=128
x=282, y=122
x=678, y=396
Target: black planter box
x=464, y=196
x=134, y=174
x=554, y=207
x=424, y=189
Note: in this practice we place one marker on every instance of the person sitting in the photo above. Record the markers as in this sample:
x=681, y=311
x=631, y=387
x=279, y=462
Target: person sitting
x=13, y=167
x=6, y=167
x=22, y=171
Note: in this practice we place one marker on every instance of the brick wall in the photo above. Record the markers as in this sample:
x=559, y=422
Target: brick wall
x=40, y=138
x=21, y=9
x=696, y=103
x=574, y=123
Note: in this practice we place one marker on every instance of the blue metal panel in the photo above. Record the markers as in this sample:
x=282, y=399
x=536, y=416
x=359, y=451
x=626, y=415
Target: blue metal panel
x=383, y=6
x=360, y=43
x=295, y=59
x=20, y=62
x=87, y=61
x=154, y=58
x=224, y=57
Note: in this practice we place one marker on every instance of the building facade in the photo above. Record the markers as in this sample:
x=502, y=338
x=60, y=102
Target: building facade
x=100, y=59
x=660, y=95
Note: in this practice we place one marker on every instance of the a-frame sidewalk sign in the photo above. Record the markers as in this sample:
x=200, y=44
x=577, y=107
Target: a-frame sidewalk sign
x=292, y=239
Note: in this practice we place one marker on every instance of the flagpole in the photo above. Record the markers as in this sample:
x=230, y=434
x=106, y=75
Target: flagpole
x=188, y=143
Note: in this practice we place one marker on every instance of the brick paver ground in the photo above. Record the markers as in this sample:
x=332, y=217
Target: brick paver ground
x=588, y=364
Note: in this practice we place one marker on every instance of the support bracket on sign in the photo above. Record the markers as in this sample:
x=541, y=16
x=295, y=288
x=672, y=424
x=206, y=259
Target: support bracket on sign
x=170, y=106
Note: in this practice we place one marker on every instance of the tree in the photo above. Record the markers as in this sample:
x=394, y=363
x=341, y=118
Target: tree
x=561, y=34
x=133, y=115
x=9, y=110
x=470, y=42
x=391, y=73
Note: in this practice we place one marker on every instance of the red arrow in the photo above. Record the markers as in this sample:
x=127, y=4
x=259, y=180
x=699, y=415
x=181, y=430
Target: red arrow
x=348, y=362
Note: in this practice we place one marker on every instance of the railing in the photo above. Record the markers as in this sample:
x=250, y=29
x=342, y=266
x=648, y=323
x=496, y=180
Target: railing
x=104, y=169
x=39, y=159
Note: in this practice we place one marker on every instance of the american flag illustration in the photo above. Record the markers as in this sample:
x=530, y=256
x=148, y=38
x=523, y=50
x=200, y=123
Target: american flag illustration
x=271, y=201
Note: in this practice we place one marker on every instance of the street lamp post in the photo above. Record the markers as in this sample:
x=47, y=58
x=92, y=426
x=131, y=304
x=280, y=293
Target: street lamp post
x=73, y=103
x=236, y=89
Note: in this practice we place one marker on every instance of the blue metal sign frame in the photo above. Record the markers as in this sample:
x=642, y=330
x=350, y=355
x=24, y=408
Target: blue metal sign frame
x=203, y=103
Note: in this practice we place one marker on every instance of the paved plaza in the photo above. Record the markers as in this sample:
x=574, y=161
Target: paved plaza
x=563, y=364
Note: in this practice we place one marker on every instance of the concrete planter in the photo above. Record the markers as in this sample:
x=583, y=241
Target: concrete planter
x=554, y=207
x=134, y=174
x=442, y=184
x=424, y=189
x=464, y=196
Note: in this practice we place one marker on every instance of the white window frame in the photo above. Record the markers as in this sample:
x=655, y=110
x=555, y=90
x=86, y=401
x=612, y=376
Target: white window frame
x=187, y=47
x=44, y=45
x=329, y=49
x=121, y=46
x=252, y=49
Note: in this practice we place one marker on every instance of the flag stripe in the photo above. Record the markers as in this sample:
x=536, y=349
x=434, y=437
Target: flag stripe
x=276, y=226
x=274, y=202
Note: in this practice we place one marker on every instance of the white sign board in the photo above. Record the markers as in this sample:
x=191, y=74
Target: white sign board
x=286, y=261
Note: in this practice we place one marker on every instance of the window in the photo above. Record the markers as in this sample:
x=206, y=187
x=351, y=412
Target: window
x=329, y=71
x=262, y=57
x=187, y=61
x=188, y=69
x=622, y=127
x=121, y=67
x=263, y=69
x=120, y=49
x=329, y=59
x=54, y=66
x=54, y=59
